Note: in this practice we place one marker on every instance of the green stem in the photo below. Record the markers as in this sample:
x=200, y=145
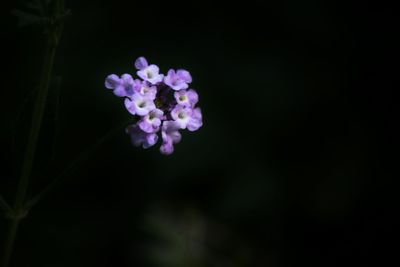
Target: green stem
x=10, y=240
x=37, y=117
x=36, y=125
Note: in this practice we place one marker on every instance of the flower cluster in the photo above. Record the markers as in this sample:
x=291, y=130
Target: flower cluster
x=160, y=103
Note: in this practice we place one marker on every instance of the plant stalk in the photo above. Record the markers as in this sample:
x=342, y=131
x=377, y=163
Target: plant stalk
x=37, y=117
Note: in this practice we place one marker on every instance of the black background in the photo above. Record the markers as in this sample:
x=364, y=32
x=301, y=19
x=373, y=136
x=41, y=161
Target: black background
x=291, y=167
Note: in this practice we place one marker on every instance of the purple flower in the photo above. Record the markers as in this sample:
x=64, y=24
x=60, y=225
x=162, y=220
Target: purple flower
x=152, y=121
x=159, y=104
x=140, y=138
x=187, y=117
x=147, y=90
x=181, y=115
x=178, y=80
x=170, y=135
x=196, y=120
x=123, y=86
x=149, y=73
x=139, y=105
x=187, y=98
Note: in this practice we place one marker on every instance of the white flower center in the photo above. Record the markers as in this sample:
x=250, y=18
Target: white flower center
x=181, y=115
x=145, y=90
x=141, y=104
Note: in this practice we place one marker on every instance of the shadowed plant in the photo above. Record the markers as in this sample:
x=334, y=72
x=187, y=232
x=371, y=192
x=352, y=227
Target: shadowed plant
x=50, y=16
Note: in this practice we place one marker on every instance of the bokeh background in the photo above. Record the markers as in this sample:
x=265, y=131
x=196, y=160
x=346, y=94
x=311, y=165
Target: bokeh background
x=290, y=168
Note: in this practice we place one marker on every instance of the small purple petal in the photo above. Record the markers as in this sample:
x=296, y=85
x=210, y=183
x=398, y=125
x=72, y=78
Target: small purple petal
x=184, y=75
x=112, y=81
x=151, y=140
x=119, y=90
x=137, y=85
x=169, y=78
x=141, y=63
x=129, y=105
x=171, y=73
x=127, y=78
x=167, y=148
x=145, y=126
x=196, y=120
x=193, y=97
x=140, y=138
x=170, y=135
x=170, y=132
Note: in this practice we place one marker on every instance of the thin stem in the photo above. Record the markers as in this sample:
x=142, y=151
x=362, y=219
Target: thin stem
x=36, y=125
x=37, y=117
x=10, y=240
x=75, y=163
x=30, y=151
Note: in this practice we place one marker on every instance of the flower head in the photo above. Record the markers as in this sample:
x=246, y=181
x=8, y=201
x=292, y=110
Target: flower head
x=162, y=105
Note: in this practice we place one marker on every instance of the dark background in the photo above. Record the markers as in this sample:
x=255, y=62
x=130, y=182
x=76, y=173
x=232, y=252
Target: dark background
x=291, y=167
